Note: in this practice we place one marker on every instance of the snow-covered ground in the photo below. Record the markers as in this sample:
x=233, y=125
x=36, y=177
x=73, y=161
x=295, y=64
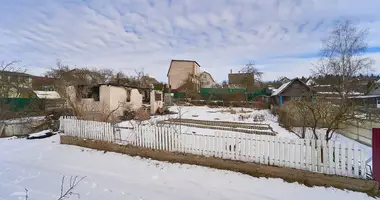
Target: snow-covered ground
x=221, y=114
x=39, y=165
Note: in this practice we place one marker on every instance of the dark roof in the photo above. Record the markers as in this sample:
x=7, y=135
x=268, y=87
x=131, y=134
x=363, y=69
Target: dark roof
x=287, y=84
x=181, y=61
x=239, y=78
x=9, y=73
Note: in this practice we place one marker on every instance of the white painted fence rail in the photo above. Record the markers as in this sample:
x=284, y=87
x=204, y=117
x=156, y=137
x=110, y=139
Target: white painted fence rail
x=344, y=159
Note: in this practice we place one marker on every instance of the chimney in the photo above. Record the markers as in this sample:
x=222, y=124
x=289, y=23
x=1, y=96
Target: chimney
x=231, y=71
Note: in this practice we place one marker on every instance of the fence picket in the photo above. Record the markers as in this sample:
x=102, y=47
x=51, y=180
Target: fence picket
x=349, y=159
x=343, y=159
x=338, y=162
x=363, y=164
x=270, y=150
x=276, y=151
x=312, y=155
x=319, y=155
x=356, y=161
x=213, y=146
x=297, y=157
x=331, y=165
x=325, y=157
x=256, y=148
x=308, y=154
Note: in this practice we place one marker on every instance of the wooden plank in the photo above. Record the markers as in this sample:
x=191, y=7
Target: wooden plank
x=343, y=159
x=265, y=149
x=313, y=156
x=308, y=154
x=319, y=156
x=356, y=160
x=331, y=164
x=349, y=159
x=257, y=149
x=270, y=153
x=281, y=152
x=250, y=148
x=363, y=164
x=276, y=152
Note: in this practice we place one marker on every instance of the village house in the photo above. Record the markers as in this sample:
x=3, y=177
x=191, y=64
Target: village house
x=115, y=98
x=15, y=84
x=372, y=98
x=292, y=90
x=181, y=72
x=241, y=80
x=206, y=80
x=23, y=85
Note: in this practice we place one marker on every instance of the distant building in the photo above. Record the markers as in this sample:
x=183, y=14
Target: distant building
x=14, y=83
x=310, y=82
x=284, y=80
x=241, y=80
x=183, y=71
x=206, y=80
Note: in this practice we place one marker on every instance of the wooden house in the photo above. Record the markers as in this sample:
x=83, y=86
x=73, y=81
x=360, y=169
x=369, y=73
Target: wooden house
x=292, y=90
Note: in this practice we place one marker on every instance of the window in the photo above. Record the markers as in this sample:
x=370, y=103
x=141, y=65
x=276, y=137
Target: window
x=128, y=95
x=157, y=96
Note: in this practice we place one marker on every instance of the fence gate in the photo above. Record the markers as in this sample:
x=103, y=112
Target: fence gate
x=376, y=154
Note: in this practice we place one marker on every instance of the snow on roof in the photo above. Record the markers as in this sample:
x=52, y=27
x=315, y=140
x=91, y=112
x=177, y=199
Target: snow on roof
x=310, y=82
x=281, y=88
x=365, y=97
x=47, y=94
x=350, y=93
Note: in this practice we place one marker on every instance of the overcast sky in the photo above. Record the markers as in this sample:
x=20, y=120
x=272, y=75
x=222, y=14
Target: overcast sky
x=281, y=36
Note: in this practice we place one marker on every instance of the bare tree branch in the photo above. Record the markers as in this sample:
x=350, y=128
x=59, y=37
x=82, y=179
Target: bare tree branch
x=74, y=181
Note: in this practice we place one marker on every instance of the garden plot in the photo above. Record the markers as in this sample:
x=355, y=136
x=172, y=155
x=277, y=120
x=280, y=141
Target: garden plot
x=236, y=115
x=251, y=128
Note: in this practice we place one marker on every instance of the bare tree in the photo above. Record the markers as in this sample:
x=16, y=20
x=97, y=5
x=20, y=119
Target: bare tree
x=342, y=57
x=13, y=84
x=77, y=84
x=250, y=67
x=12, y=80
x=65, y=193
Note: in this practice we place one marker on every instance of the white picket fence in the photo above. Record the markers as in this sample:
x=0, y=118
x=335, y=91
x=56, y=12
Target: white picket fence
x=87, y=129
x=344, y=159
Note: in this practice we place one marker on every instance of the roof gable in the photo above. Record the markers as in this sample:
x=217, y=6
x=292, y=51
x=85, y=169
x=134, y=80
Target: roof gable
x=286, y=85
x=171, y=63
x=207, y=74
x=375, y=89
x=240, y=78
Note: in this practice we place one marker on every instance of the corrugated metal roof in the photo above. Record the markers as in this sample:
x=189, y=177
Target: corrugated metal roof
x=281, y=88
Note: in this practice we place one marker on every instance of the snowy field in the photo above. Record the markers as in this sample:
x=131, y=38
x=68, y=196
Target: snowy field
x=39, y=165
x=221, y=114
